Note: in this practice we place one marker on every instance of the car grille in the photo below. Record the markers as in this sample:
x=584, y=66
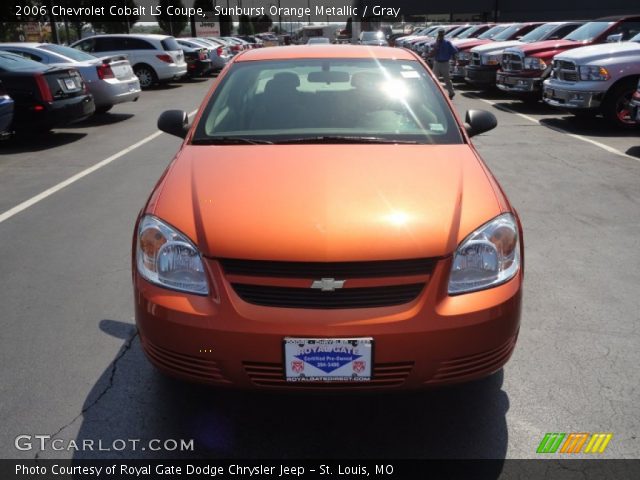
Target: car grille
x=383, y=375
x=368, y=284
x=384, y=268
x=511, y=62
x=475, y=59
x=460, y=368
x=565, y=71
x=198, y=368
x=368, y=297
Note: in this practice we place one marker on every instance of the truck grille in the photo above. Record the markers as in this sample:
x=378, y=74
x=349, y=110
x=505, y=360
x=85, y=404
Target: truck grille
x=565, y=71
x=368, y=284
x=511, y=62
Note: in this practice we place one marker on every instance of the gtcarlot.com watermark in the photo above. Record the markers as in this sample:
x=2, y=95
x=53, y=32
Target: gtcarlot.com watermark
x=45, y=443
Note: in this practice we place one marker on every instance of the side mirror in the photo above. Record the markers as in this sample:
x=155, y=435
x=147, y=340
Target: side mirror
x=479, y=121
x=174, y=122
x=614, y=38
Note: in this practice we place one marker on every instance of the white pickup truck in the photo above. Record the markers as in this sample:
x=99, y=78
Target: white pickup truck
x=597, y=79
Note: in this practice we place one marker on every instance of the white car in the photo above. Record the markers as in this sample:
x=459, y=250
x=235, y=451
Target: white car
x=155, y=58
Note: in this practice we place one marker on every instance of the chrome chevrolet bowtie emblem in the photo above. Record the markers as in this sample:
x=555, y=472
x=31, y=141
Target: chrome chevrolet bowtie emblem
x=327, y=284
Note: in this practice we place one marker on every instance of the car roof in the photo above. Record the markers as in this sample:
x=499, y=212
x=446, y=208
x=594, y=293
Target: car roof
x=152, y=36
x=325, y=51
x=616, y=18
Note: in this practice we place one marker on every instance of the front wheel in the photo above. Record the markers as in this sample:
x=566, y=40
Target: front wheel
x=616, y=107
x=146, y=75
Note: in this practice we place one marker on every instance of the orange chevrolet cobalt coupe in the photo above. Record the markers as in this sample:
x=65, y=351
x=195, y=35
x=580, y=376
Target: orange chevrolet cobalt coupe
x=327, y=223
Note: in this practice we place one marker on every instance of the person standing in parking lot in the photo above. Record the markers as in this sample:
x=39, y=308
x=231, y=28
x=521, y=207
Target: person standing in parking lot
x=443, y=51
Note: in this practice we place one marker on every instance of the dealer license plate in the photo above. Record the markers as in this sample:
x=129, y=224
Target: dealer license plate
x=328, y=359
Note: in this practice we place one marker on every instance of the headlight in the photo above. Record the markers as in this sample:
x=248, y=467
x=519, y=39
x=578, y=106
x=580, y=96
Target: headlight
x=593, y=72
x=167, y=258
x=487, y=258
x=465, y=56
x=534, y=63
x=490, y=59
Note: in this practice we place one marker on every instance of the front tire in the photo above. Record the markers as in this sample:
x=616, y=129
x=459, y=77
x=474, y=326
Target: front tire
x=616, y=108
x=146, y=75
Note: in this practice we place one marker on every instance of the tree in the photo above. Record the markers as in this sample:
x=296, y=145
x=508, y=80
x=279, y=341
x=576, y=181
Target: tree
x=123, y=26
x=245, y=27
x=262, y=23
x=171, y=24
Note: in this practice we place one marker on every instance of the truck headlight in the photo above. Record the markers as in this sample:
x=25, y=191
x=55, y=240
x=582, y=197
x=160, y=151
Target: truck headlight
x=593, y=72
x=167, y=258
x=464, y=56
x=534, y=63
x=488, y=257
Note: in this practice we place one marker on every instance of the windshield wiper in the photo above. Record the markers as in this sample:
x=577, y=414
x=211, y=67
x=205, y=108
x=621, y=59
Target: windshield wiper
x=343, y=139
x=229, y=141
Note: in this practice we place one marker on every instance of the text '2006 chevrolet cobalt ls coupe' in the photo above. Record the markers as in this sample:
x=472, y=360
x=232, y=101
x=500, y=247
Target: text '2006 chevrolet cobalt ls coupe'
x=327, y=223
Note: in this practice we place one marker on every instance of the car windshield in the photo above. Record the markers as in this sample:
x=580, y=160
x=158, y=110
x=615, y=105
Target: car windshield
x=539, y=33
x=372, y=36
x=588, y=31
x=636, y=38
x=68, y=52
x=170, y=44
x=492, y=32
x=318, y=40
x=456, y=32
x=327, y=100
x=507, y=33
x=469, y=32
x=10, y=62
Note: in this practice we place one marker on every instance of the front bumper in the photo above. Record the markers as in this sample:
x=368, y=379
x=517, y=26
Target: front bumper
x=572, y=98
x=514, y=84
x=480, y=75
x=433, y=340
x=457, y=71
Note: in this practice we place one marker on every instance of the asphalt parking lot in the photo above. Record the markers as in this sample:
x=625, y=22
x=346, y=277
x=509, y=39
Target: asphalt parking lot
x=72, y=366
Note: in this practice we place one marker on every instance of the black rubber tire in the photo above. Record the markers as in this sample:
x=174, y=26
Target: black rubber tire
x=616, y=104
x=103, y=109
x=146, y=75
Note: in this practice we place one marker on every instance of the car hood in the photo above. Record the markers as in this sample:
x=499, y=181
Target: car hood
x=496, y=46
x=468, y=43
x=326, y=203
x=548, y=45
x=601, y=52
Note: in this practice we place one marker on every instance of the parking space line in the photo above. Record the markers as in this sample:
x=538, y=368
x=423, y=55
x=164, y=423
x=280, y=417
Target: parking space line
x=607, y=148
x=74, y=178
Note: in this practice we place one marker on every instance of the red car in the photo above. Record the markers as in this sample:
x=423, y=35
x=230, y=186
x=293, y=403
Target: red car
x=327, y=224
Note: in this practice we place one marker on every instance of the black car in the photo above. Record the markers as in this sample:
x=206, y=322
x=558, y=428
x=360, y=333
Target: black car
x=45, y=96
x=198, y=61
x=6, y=112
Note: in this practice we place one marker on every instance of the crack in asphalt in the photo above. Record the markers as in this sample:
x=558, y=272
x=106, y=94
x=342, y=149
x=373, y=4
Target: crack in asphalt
x=114, y=367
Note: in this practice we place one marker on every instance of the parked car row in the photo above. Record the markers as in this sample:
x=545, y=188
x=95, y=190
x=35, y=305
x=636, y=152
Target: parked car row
x=44, y=86
x=584, y=67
